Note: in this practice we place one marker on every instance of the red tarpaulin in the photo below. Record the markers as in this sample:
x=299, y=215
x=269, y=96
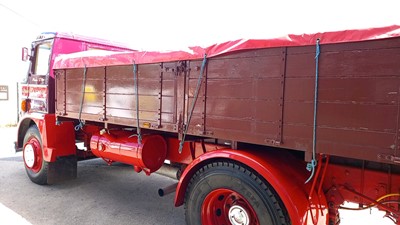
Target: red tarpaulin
x=107, y=58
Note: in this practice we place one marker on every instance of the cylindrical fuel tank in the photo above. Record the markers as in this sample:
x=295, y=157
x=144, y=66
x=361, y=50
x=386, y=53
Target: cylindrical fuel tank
x=123, y=147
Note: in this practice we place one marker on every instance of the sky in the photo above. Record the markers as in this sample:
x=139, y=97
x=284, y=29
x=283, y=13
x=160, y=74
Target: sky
x=176, y=24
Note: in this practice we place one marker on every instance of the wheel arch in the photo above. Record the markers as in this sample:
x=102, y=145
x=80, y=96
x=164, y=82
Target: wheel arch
x=284, y=173
x=23, y=127
x=57, y=139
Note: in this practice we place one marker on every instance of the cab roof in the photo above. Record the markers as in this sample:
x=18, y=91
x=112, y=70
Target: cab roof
x=72, y=36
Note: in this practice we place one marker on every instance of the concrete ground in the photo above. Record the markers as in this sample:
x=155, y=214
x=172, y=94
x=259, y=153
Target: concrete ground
x=102, y=194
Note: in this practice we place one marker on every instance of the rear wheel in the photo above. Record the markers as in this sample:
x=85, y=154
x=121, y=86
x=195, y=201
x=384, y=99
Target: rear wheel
x=35, y=166
x=226, y=193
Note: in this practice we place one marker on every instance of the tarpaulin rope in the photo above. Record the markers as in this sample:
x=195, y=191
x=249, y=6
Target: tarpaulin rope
x=82, y=122
x=196, y=95
x=311, y=165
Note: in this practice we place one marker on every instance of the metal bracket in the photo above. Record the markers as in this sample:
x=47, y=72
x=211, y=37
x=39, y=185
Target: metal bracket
x=181, y=67
x=273, y=142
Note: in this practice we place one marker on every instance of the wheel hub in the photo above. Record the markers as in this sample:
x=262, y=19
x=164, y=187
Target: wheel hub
x=238, y=215
x=29, y=155
x=227, y=207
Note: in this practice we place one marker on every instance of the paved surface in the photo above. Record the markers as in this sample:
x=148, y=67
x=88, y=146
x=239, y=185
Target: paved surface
x=101, y=195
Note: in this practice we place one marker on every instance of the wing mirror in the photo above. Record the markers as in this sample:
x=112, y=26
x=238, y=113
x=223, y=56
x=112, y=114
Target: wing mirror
x=25, y=54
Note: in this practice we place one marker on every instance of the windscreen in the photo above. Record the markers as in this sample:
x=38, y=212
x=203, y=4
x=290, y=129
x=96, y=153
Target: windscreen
x=42, y=53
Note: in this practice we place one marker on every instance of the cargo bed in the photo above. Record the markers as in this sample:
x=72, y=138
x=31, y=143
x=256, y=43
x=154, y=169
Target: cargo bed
x=261, y=95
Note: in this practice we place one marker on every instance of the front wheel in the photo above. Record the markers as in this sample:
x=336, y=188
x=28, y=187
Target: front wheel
x=227, y=193
x=35, y=166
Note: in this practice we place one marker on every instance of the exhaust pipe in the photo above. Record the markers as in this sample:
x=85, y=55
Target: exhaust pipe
x=169, y=171
x=167, y=190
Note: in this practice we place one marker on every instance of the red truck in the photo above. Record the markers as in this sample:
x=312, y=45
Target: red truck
x=278, y=131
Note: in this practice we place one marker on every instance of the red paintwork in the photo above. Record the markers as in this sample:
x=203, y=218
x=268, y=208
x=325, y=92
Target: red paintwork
x=212, y=203
x=57, y=140
x=365, y=182
x=37, y=148
x=124, y=147
x=83, y=59
x=94, y=42
x=285, y=174
x=34, y=91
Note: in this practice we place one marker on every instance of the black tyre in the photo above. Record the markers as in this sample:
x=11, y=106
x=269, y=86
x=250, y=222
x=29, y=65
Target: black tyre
x=227, y=193
x=35, y=166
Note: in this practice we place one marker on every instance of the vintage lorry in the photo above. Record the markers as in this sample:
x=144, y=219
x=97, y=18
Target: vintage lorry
x=276, y=131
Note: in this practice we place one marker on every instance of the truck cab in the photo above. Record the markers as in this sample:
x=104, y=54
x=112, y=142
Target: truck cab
x=37, y=90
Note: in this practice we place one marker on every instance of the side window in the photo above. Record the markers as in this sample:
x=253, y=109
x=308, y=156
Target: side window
x=42, y=55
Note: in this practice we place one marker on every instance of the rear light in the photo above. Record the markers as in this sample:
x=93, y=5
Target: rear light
x=26, y=105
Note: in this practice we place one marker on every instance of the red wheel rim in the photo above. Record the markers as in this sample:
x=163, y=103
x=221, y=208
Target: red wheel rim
x=33, y=155
x=224, y=207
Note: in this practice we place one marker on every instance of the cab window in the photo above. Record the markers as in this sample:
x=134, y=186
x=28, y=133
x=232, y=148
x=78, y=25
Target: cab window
x=42, y=55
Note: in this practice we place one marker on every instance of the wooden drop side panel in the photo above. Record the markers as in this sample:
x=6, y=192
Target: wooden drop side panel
x=121, y=95
x=263, y=96
x=109, y=95
x=69, y=93
x=358, y=113
x=244, y=96
x=358, y=102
